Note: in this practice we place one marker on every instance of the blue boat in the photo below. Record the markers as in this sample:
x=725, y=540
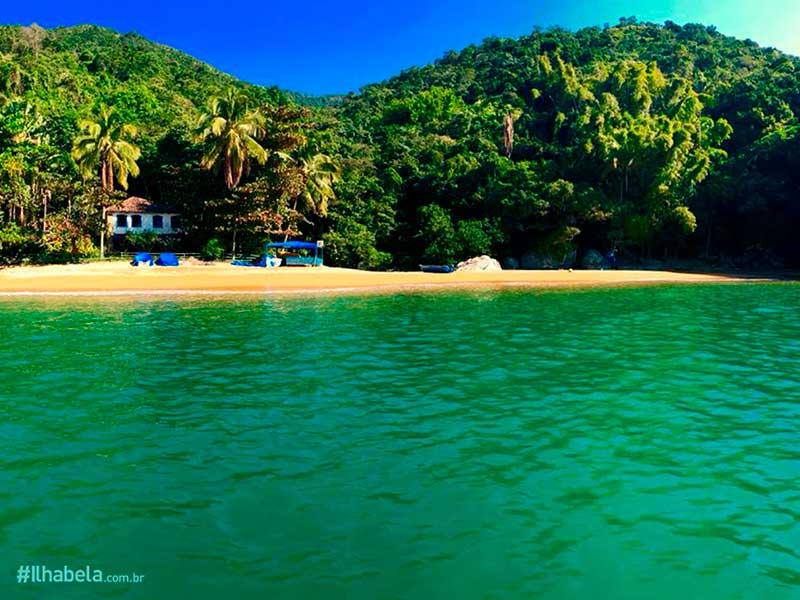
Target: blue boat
x=437, y=268
x=266, y=260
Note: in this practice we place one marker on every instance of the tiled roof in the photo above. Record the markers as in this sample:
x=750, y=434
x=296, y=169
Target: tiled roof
x=140, y=205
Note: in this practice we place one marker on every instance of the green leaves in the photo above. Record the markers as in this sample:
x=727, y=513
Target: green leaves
x=436, y=235
x=650, y=143
x=231, y=132
x=104, y=145
x=685, y=219
x=640, y=133
x=320, y=172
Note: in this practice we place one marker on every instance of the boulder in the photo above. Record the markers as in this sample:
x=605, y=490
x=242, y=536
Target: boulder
x=510, y=263
x=532, y=260
x=592, y=260
x=479, y=263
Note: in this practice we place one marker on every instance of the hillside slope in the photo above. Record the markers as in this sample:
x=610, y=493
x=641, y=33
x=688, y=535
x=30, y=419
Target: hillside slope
x=65, y=72
x=659, y=138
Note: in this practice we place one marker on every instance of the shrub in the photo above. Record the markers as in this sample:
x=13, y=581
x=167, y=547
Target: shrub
x=355, y=248
x=212, y=250
x=65, y=241
x=476, y=237
x=143, y=240
x=436, y=230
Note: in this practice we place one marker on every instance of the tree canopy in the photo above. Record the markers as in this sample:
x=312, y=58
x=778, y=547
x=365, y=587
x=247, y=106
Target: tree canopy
x=656, y=139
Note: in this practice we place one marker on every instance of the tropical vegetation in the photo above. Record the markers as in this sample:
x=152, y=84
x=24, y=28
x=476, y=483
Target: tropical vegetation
x=663, y=141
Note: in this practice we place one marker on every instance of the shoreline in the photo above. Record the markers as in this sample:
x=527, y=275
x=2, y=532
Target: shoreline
x=120, y=279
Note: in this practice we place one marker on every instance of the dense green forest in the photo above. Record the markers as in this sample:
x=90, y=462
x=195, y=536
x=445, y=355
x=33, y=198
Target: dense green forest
x=662, y=141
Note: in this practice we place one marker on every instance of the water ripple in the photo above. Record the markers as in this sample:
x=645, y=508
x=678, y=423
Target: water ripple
x=621, y=443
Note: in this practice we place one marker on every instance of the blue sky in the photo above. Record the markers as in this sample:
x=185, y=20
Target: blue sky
x=330, y=46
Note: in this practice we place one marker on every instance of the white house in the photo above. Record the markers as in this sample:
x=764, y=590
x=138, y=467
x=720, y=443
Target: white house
x=139, y=215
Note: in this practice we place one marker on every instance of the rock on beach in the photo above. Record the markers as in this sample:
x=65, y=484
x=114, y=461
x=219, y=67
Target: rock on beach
x=479, y=263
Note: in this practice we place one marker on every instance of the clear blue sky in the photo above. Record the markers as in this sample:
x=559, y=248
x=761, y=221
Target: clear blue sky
x=336, y=46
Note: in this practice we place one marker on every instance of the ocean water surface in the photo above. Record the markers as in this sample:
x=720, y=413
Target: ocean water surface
x=623, y=443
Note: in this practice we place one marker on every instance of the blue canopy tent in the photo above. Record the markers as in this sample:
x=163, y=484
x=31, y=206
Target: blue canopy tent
x=292, y=259
x=144, y=258
x=168, y=259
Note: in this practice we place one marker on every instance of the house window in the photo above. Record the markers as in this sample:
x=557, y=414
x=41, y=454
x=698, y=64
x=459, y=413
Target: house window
x=158, y=222
x=136, y=220
x=122, y=221
x=175, y=222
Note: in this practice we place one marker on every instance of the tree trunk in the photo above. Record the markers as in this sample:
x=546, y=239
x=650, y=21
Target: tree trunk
x=228, y=172
x=508, y=134
x=110, y=187
x=294, y=209
x=103, y=236
x=234, y=242
x=44, y=213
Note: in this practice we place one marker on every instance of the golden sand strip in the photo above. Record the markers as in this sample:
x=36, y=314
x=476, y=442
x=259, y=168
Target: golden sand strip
x=120, y=278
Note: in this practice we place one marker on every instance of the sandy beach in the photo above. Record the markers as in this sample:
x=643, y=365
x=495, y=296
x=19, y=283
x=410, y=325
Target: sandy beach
x=121, y=278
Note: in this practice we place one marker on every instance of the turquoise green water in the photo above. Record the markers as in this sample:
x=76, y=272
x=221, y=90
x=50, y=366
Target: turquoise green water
x=628, y=443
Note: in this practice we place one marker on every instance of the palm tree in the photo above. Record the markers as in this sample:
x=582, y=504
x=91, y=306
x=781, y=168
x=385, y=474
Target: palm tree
x=31, y=124
x=104, y=145
x=232, y=132
x=319, y=173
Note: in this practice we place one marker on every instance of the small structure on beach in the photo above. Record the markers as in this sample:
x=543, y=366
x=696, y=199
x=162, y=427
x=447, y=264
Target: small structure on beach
x=298, y=254
x=139, y=215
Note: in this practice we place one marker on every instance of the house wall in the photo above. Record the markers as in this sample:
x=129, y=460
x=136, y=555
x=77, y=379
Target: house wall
x=147, y=223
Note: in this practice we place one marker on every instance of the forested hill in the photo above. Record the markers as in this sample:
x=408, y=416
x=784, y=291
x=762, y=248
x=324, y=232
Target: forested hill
x=66, y=72
x=663, y=141
x=660, y=139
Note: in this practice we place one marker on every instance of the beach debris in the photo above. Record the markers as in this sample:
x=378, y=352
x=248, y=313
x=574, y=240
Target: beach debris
x=592, y=260
x=479, y=263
